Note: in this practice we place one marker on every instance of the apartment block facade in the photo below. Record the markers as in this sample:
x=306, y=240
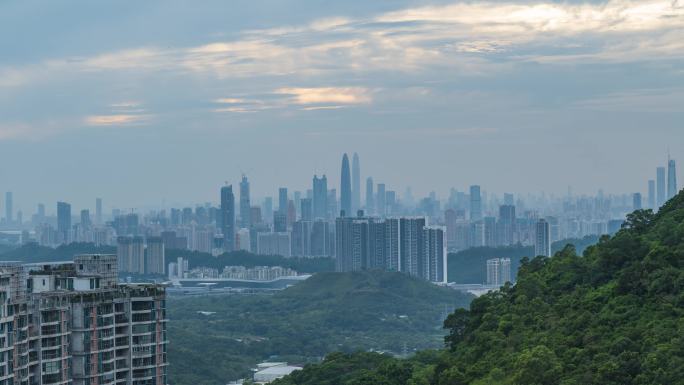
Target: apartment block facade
x=73, y=324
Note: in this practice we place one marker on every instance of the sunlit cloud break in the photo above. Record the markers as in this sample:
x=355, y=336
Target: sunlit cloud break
x=115, y=120
x=327, y=95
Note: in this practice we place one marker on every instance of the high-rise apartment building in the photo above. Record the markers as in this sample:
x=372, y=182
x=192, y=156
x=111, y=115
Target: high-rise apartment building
x=64, y=222
x=321, y=239
x=542, y=244
x=72, y=323
x=346, y=188
x=498, y=271
x=506, y=270
x=434, y=254
x=493, y=272
x=130, y=252
x=245, y=206
x=412, y=248
x=155, y=261
x=391, y=244
x=228, y=217
x=671, y=179
x=301, y=238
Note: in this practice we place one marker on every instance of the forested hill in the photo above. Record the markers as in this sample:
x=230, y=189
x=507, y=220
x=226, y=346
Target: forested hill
x=612, y=317
x=326, y=313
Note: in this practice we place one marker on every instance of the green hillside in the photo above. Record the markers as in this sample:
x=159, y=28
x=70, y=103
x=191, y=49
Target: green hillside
x=470, y=266
x=328, y=312
x=614, y=316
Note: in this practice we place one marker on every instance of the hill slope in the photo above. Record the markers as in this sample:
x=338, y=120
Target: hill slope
x=614, y=316
x=326, y=313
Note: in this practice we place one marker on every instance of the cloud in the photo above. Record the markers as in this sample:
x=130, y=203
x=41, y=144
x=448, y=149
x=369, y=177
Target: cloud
x=115, y=120
x=474, y=38
x=327, y=95
x=645, y=100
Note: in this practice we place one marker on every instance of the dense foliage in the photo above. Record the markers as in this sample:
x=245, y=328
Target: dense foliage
x=470, y=266
x=614, y=316
x=328, y=312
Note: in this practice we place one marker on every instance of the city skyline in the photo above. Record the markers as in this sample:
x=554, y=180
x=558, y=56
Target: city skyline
x=196, y=98
x=662, y=174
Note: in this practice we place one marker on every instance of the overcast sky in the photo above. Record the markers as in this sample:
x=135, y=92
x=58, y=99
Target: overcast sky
x=141, y=102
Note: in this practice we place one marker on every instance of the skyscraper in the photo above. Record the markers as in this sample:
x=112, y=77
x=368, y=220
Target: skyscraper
x=506, y=270
x=434, y=254
x=660, y=185
x=91, y=330
x=651, y=194
x=356, y=183
x=475, y=203
x=9, y=210
x=493, y=272
x=636, y=201
x=542, y=244
x=306, y=209
x=412, y=247
x=85, y=219
x=155, y=261
x=228, y=217
x=671, y=179
x=282, y=200
x=64, y=222
x=345, y=188
x=370, y=209
x=320, y=197
x=245, y=207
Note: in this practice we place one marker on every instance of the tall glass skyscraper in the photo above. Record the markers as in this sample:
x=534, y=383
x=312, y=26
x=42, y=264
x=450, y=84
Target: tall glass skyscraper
x=346, y=188
x=228, y=217
x=245, y=209
x=671, y=179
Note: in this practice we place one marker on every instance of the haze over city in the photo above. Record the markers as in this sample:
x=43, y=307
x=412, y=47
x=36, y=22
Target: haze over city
x=162, y=102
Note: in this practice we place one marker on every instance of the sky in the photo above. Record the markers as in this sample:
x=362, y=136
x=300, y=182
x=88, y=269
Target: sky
x=155, y=102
